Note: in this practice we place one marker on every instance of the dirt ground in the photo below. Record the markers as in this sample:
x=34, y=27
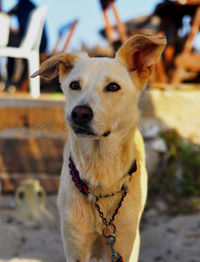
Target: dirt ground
x=163, y=238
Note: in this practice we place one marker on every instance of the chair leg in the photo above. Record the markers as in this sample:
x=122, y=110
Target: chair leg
x=33, y=65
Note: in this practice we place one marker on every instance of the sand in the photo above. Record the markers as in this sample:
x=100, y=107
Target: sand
x=163, y=238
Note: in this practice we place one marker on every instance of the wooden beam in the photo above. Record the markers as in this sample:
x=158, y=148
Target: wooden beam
x=71, y=31
x=39, y=158
x=108, y=28
x=120, y=25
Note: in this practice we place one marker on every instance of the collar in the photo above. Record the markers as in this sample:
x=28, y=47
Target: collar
x=83, y=186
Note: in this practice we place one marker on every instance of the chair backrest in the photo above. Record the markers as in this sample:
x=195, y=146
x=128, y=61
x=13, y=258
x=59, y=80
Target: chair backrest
x=4, y=29
x=34, y=29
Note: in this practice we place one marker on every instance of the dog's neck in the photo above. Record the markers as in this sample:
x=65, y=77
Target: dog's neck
x=105, y=161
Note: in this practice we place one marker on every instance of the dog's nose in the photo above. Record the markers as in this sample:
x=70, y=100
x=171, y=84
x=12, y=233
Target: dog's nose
x=82, y=114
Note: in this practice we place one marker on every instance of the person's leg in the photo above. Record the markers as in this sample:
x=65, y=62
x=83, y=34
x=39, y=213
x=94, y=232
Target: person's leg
x=14, y=41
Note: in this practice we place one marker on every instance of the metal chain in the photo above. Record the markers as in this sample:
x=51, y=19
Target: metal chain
x=106, y=195
x=104, y=220
x=110, y=195
x=118, y=206
x=111, y=238
x=101, y=215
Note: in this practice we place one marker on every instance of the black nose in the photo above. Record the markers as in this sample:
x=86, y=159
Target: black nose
x=82, y=114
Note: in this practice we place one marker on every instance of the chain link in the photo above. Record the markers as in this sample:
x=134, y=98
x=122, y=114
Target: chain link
x=111, y=238
x=118, y=206
x=101, y=215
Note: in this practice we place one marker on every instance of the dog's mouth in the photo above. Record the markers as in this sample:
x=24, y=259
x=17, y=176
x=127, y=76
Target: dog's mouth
x=83, y=131
x=86, y=130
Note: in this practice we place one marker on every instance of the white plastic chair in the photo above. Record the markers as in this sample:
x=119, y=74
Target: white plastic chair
x=29, y=47
x=4, y=28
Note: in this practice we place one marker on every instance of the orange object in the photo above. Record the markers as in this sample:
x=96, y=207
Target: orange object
x=109, y=29
x=67, y=41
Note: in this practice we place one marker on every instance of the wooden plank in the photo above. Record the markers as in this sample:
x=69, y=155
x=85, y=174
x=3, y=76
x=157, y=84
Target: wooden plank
x=46, y=119
x=33, y=155
x=10, y=182
x=32, y=137
x=40, y=158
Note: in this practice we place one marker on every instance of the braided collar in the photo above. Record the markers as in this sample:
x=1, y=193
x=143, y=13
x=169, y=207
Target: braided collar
x=83, y=186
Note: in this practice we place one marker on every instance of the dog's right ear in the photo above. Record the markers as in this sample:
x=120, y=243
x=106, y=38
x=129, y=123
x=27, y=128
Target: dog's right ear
x=139, y=54
x=60, y=64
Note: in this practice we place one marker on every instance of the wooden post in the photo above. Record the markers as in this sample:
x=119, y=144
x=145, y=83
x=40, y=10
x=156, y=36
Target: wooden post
x=54, y=51
x=120, y=25
x=71, y=31
x=108, y=28
x=69, y=36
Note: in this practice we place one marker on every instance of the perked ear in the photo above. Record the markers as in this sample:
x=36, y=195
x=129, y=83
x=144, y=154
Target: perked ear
x=140, y=53
x=60, y=64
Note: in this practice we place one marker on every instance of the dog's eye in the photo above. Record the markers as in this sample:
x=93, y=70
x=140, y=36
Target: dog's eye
x=75, y=85
x=112, y=87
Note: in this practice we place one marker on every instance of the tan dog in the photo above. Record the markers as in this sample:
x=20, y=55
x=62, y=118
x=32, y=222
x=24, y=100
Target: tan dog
x=103, y=140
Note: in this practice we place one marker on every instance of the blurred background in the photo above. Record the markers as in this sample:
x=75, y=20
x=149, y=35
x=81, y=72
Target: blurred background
x=33, y=131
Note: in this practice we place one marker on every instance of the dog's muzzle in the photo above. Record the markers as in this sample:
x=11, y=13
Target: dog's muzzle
x=80, y=120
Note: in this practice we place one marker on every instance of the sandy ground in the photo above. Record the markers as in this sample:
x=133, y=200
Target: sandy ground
x=163, y=238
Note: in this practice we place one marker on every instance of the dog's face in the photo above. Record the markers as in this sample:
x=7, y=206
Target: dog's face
x=102, y=93
x=100, y=97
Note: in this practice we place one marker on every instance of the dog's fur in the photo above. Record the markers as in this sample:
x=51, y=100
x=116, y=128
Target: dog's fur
x=104, y=160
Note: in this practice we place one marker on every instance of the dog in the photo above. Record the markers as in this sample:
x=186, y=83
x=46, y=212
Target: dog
x=103, y=184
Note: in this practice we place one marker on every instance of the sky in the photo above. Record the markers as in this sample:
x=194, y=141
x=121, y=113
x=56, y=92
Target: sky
x=89, y=14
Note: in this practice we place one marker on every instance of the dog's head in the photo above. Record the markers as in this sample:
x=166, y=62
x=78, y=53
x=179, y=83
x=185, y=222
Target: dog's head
x=102, y=93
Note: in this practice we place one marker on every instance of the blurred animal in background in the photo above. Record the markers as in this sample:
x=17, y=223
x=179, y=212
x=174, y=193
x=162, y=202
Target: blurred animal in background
x=103, y=183
x=30, y=198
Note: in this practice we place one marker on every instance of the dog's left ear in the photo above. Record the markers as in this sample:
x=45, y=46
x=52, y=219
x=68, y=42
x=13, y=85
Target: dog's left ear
x=60, y=64
x=140, y=53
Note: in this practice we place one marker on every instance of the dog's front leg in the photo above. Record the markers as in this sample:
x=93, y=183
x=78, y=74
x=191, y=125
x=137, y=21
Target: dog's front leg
x=74, y=240
x=99, y=251
x=81, y=246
